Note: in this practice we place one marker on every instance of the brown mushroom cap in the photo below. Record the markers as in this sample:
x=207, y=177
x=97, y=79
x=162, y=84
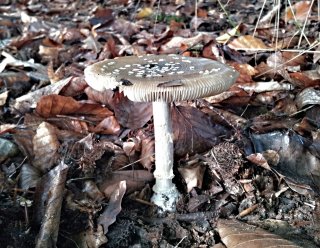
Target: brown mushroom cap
x=167, y=78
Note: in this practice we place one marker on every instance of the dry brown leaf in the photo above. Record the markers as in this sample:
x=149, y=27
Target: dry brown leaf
x=103, y=97
x=177, y=42
x=7, y=149
x=3, y=97
x=259, y=159
x=247, y=42
x=132, y=146
x=235, y=234
x=130, y=114
x=108, y=125
x=228, y=35
x=109, y=215
x=298, y=160
x=307, y=97
x=135, y=180
x=45, y=147
x=48, y=204
x=306, y=79
x=4, y=128
x=75, y=87
x=25, y=103
x=194, y=131
x=29, y=177
x=53, y=105
x=298, y=12
x=49, y=49
x=193, y=175
x=259, y=87
x=147, y=152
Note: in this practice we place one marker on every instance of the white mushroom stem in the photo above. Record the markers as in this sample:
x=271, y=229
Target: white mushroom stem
x=165, y=193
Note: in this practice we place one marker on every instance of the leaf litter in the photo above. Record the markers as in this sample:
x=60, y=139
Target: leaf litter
x=76, y=164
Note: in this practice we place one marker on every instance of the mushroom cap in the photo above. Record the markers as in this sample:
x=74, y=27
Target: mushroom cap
x=168, y=78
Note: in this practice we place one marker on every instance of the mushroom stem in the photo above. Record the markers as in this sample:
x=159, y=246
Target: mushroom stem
x=165, y=193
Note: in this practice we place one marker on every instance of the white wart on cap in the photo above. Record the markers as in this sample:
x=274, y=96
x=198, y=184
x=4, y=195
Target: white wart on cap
x=163, y=78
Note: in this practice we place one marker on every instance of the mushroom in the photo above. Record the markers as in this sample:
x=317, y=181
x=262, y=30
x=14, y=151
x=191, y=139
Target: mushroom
x=162, y=79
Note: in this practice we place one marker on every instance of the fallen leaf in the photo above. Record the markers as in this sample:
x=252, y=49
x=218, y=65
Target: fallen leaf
x=234, y=234
x=193, y=131
x=258, y=159
x=296, y=159
x=30, y=176
x=53, y=105
x=108, y=217
x=45, y=147
x=49, y=196
x=228, y=35
x=147, y=152
x=298, y=11
x=193, y=175
x=247, y=42
x=7, y=149
x=108, y=125
x=24, y=103
x=308, y=96
x=135, y=180
x=103, y=97
x=130, y=114
x=3, y=97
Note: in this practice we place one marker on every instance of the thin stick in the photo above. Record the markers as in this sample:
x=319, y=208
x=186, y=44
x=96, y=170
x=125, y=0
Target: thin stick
x=260, y=14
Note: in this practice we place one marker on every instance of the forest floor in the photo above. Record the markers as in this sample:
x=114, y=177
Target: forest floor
x=76, y=164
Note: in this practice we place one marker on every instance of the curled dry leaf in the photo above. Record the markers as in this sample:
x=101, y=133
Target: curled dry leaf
x=7, y=128
x=147, y=152
x=23, y=138
x=75, y=87
x=306, y=79
x=307, y=97
x=247, y=42
x=130, y=114
x=103, y=97
x=227, y=36
x=298, y=11
x=258, y=159
x=108, y=125
x=193, y=175
x=259, y=87
x=177, y=42
x=296, y=161
x=49, y=198
x=3, y=98
x=30, y=176
x=25, y=103
x=7, y=149
x=235, y=234
x=53, y=105
x=246, y=72
x=194, y=131
x=135, y=180
x=109, y=215
x=45, y=147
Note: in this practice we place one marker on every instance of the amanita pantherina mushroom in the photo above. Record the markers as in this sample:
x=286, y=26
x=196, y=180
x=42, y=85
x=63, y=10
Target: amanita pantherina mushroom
x=162, y=79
